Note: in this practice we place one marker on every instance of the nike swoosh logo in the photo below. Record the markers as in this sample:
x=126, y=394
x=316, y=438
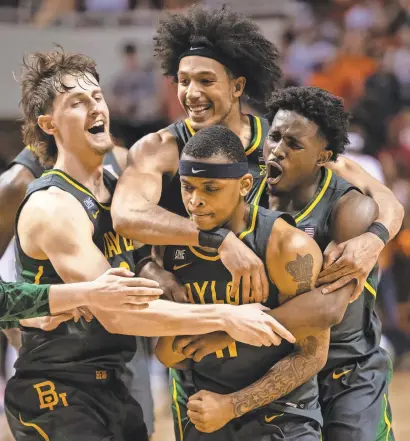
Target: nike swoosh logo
x=337, y=376
x=177, y=267
x=196, y=171
x=268, y=420
x=96, y=214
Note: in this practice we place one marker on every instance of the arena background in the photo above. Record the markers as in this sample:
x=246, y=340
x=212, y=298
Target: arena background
x=358, y=49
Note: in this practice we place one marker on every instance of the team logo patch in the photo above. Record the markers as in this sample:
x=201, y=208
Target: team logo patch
x=310, y=231
x=89, y=203
x=179, y=255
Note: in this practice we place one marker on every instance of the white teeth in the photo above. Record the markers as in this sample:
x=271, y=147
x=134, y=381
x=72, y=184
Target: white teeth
x=97, y=124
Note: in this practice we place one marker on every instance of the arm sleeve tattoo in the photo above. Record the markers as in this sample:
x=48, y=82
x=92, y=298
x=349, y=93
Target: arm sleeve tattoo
x=296, y=368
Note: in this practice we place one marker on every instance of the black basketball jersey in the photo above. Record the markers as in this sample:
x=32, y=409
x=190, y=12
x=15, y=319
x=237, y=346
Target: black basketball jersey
x=359, y=332
x=75, y=347
x=208, y=282
x=27, y=158
x=182, y=131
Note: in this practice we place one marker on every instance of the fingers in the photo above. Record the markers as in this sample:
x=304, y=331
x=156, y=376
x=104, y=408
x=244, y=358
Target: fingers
x=143, y=292
x=340, y=269
x=281, y=331
x=331, y=254
x=52, y=323
x=265, y=284
x=200, y=354
x=236, y=281
x=246, y=288
x=86, y=313
x=181, y=342
x=140, y=282
x=358, y=290
x=338, y=284
x=123, y=272
x=257, y=287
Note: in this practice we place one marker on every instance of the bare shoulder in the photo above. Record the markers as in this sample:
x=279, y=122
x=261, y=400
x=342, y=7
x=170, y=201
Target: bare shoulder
x=158, y=149
x=352, y=215
x=52, y=208
x=288, y=239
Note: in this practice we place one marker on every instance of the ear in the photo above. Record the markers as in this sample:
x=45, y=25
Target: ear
x=246, y=184
x=45, y=123
x=239, y=85
x=324, y=158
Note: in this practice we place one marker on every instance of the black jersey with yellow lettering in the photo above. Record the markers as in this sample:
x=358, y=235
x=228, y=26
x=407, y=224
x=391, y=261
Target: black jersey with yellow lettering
x=27, y=158
x=171, y=192
x=208, y=282
x=359, y=332
x=74, y=347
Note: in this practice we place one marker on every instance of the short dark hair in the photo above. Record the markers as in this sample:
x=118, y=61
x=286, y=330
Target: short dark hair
x=232, y=35
x=215, y=140
x=41, y=80
x=324, y=109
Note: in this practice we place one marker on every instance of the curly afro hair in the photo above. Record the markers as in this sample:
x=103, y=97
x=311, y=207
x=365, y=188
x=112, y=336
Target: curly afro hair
x=41, y=80
x=324, y=109
x=231, y=35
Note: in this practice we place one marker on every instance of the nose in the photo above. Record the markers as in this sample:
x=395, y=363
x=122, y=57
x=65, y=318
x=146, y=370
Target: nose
x=193, y=91
x=95, y=107
x=195, y=201
x=278, y=151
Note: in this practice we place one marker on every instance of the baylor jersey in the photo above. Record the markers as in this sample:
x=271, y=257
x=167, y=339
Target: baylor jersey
x=359, y=332
x=208, y=281
x=27, y=158
x=75, y=347
x=182, y=130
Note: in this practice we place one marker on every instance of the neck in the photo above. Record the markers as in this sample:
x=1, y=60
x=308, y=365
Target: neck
x=239, y=123
x=240, y=218
x=297, y=198
x=87, y=172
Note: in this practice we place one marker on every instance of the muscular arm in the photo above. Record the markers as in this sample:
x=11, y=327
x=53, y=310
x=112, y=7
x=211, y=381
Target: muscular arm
x=294, y=261
x=391, y=212
x=136, y=213
x=13, y=186
x=55, y=217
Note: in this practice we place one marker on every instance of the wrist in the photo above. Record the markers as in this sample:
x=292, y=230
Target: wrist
x=380, y=231
x=234, y=411
x=212, y=239
x=375, y=239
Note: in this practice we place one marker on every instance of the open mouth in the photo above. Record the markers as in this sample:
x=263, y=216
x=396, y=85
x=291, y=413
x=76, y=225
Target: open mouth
x=274, y=173
x=98, y=127
x=198, y=110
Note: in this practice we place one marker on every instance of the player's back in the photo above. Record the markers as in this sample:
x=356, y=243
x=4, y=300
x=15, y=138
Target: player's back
x=80, y=348
x=208, y=281
x=359, y=332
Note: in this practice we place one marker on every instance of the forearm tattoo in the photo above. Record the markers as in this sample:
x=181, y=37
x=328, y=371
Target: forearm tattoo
x=301, y=270
x=285, y=376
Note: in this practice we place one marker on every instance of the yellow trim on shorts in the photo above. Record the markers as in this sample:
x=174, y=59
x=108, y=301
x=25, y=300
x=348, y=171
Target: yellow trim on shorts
x=318, y=197
x=39, y=429
x=386, y=418
x=78, y=187
x=175, y=398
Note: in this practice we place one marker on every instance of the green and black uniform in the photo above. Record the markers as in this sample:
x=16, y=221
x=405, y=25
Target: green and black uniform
x=354, y=382
x=295, y=416
x=67, y=383
x=180, y=381
x=20, y=301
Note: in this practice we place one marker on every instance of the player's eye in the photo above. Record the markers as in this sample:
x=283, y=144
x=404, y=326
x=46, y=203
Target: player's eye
x=275, y=136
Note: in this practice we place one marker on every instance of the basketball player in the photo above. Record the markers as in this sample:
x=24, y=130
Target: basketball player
x=69, y=377
x=306, y=124
x=239, y=381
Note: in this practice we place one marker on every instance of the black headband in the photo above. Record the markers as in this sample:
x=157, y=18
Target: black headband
x=208, y=52
x=207, y=170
